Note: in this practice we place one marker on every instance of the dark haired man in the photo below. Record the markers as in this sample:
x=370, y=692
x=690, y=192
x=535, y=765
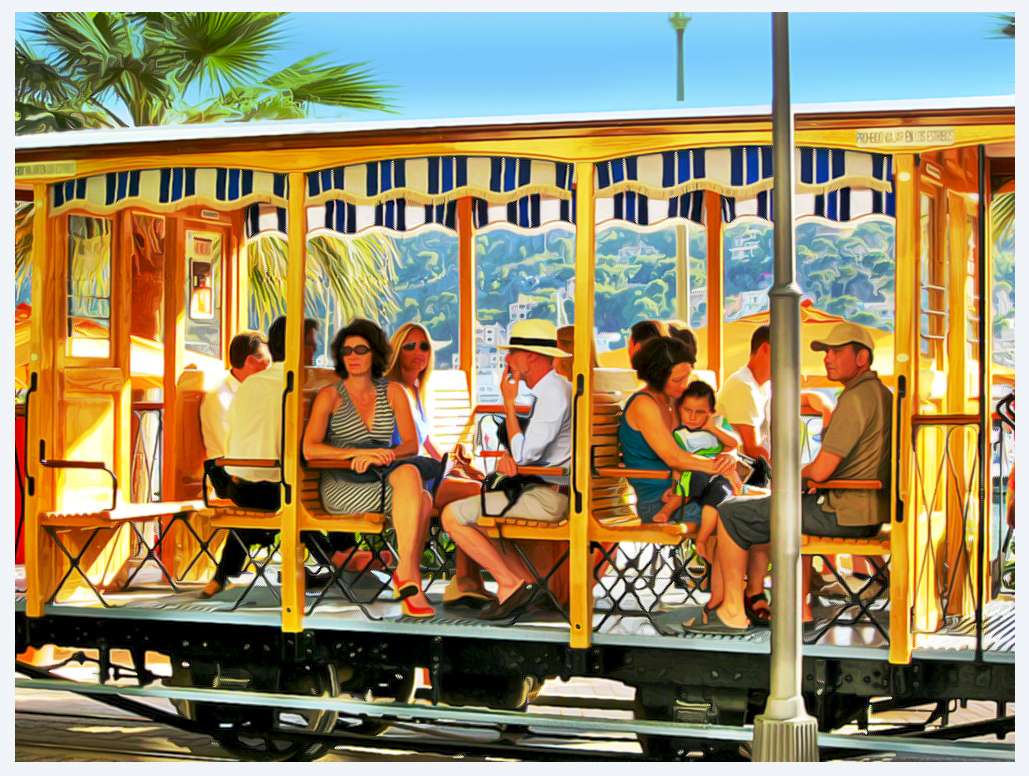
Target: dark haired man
x=248, y=355
x=641, y=333
x=855, y=445
x=255, y=431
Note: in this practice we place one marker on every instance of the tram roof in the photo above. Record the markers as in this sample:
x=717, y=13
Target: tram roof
x=315, y=127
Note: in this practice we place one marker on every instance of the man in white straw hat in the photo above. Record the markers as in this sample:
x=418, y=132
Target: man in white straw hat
x=855, y=446
x=547, y=441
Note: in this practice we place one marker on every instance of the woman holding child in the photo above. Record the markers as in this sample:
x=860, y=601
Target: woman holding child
x=646, y=436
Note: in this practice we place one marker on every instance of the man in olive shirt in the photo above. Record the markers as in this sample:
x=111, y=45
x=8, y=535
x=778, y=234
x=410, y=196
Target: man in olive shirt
x=855, y=445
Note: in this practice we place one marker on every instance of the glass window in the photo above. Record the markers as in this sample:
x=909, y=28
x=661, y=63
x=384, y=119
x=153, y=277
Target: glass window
x=848, y=268
x=89, y=287
x=22, y=292
x=1004, y=283
x=520, y=274
x=203, y=292
x=748, y=266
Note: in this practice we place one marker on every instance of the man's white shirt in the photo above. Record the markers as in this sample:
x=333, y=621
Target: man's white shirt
x=255, y=423
x=548, y=439
x=214, y=415
x=744, y=402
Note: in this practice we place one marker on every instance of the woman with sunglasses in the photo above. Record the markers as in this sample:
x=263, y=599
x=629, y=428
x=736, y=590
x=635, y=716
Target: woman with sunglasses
x=354, y=421
x=413, y=358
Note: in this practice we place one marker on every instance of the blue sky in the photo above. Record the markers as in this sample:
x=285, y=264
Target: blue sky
x=503, y=64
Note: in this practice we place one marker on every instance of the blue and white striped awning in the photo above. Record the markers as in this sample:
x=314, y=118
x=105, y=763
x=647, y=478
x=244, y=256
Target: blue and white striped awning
x=832, y=183
x=437, y=180
x=169, y=188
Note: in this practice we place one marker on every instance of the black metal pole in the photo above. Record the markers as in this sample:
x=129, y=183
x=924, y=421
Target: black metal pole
x=985, y=405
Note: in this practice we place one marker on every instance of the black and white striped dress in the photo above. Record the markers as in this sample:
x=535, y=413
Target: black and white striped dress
x=340, y=494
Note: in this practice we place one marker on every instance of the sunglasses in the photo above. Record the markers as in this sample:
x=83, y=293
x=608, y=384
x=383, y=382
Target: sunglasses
x=361, y=350
x=412, y=346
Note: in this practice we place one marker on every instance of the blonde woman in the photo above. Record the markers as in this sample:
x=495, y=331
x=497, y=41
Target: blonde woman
x=411, y=367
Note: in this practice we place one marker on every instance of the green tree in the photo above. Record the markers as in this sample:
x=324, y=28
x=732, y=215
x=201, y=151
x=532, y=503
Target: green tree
x=88, y=70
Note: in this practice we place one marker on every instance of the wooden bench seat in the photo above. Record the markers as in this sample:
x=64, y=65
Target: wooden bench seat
x=122, y=513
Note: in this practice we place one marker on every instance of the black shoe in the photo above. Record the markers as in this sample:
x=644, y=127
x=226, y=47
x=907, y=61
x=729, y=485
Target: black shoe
x=313, y=580
x=515, y=606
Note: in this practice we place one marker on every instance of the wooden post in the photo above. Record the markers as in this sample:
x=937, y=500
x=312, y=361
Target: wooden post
x=580, y=575
x=121, y=346
x=682, y=274
x=906, y=349
x=466, y=292
x=291, y=548
x=43, y=328
x=715, y=283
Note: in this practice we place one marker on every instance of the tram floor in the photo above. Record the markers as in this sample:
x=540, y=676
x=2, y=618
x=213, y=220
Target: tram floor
x=250, y=600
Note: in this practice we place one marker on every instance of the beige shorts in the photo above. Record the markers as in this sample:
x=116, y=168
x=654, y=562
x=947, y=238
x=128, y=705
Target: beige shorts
x=537, y=502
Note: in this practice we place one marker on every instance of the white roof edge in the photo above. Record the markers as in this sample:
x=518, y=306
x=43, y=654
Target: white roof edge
x=317, y=126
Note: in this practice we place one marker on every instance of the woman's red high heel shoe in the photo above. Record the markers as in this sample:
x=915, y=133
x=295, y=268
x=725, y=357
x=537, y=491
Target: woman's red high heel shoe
x=411, y=609
x=405, y=590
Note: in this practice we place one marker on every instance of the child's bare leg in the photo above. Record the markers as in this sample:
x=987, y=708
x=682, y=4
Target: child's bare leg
x=672, y=504
x=708, y=521
x=736, y=482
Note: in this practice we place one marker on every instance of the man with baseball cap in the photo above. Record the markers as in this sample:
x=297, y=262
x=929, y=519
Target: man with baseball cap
x=855, y=446
x=547, y=441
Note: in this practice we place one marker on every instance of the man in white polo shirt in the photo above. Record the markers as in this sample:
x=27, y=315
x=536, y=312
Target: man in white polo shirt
x=547, y=441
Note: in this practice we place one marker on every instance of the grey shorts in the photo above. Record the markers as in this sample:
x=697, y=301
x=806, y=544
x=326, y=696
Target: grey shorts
x=537, y=502
x=748, y=521
x=688, y=513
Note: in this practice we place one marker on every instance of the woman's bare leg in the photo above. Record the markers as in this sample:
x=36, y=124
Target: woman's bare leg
x=411, y=512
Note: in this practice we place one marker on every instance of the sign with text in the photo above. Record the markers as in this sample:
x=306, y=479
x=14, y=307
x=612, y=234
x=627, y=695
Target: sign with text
x=905, y=136
x=44, y=169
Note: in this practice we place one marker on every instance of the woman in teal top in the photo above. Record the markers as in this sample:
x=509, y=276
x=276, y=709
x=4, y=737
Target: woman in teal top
x=648, y=420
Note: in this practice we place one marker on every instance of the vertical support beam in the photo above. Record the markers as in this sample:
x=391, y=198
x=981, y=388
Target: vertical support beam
x=960, y=566
x=174, y=349
x=984, y=268
x=580, y=571
x=682, y=274
x=785, y=732
x=43, y=332
x=906, y=349
x=121, y=345
x=293, y=380
x=715, y=283
x=466, y=292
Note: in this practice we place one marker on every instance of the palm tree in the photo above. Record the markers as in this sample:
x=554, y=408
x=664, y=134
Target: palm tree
x=350, y=277
x=104, y=70
x=94, y=70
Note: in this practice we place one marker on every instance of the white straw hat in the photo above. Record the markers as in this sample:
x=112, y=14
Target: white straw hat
x=535, y=336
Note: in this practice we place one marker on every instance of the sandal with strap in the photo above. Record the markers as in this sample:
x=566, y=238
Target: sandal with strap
x=759, y=617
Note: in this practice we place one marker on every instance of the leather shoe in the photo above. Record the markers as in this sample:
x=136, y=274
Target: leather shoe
x=515, y=605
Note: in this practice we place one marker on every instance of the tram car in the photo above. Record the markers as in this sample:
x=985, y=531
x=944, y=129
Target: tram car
x=142, y=252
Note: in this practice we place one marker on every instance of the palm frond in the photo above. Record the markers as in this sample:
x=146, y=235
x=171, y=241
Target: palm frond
x=347, y=86
x=1002, y=216
x=224, y=49
x=1004, y=25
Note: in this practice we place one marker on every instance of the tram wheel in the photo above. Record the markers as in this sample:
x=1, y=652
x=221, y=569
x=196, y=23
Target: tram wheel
x=377, y=684
x=268, y=734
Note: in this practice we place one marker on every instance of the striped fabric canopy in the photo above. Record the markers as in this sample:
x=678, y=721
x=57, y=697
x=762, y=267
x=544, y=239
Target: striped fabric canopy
x=834, y=184
x=404, y=194
x=169, y=188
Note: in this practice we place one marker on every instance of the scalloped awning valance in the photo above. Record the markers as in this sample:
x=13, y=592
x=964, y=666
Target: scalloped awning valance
x=170, y=188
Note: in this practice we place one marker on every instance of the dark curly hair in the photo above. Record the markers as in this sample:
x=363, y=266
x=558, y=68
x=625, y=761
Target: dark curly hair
x=657, y=358
x=376, y=338
x=698, y=389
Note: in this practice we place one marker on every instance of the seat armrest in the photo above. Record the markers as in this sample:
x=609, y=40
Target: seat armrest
x=846, y=484
x=544, y=471
x=256, y=463
x=636, y=474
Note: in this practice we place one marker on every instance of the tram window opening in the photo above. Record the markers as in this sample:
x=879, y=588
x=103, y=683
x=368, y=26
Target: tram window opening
x=1003, y=302
x=203, y=257
x=89, y=287
x=521, y=274
x=23, y=214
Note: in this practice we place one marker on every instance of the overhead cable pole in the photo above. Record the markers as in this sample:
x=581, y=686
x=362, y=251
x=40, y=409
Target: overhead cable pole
x=785, y=732
x=679, y=22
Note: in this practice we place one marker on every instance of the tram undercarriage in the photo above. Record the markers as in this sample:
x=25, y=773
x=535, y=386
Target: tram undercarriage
x=265, y=694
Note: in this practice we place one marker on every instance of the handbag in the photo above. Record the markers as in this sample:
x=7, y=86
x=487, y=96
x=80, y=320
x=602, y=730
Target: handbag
x=511, y=485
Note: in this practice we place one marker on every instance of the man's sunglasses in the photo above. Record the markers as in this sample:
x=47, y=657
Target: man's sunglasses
x=361, y=350
x=411, y=346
